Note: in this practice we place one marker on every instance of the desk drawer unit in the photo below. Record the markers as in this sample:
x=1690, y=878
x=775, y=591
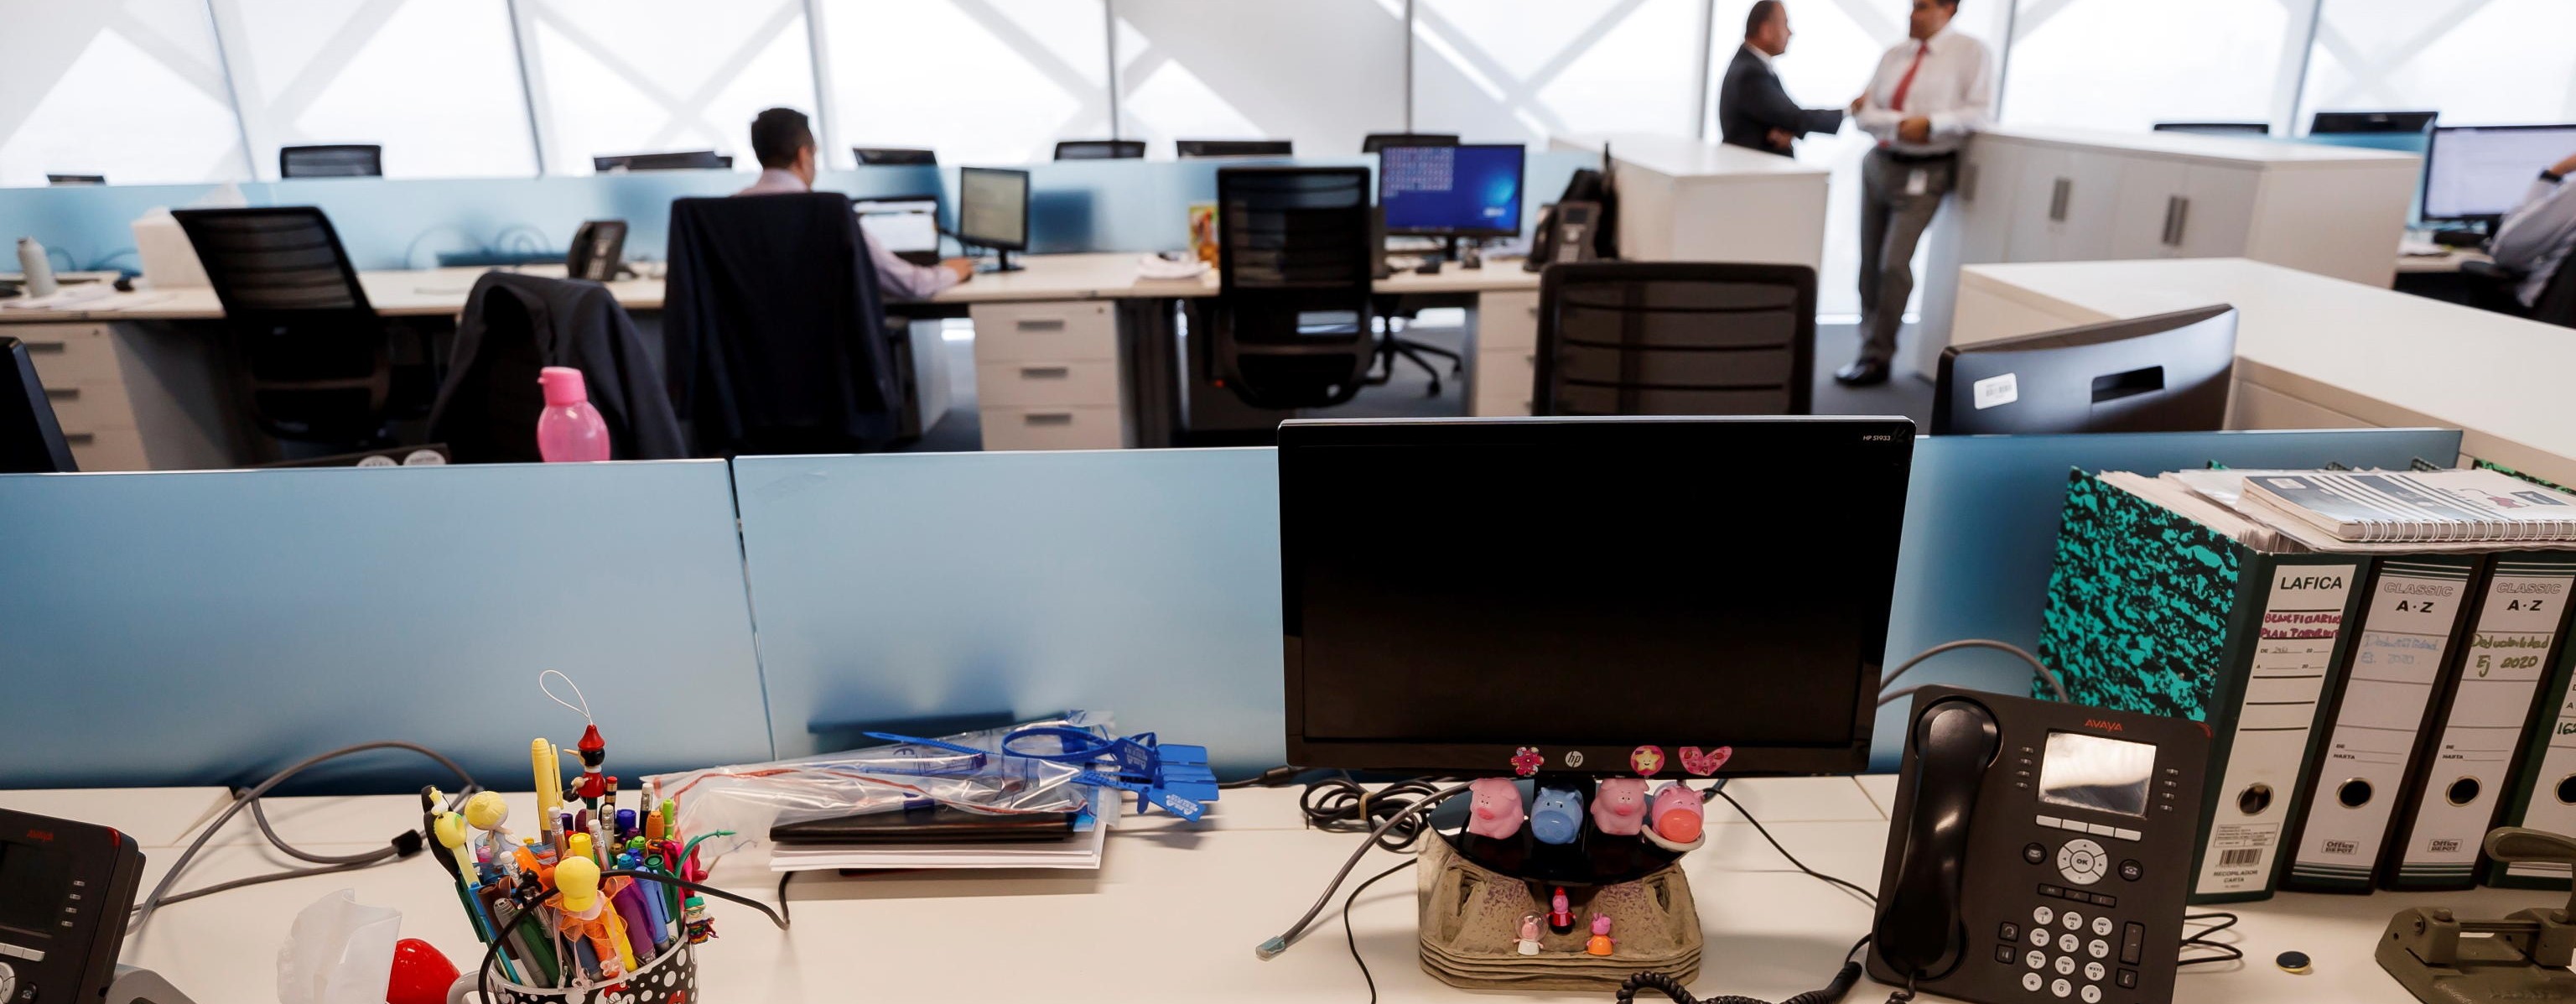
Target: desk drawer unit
x=131, y=396
x=1053, y=331
x=1053, y=427
x=1048, y=377
x=1090, y=382
x=1506, y=353
x=68, y=354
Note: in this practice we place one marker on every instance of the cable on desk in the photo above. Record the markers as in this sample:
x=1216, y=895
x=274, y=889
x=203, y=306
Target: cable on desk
x=161, y=894
x=1673, y=988
x=2200, y=938
x=1341, y=805
x=1792, y=858
x=1352, y=939
x=1270, y=949
x=783, y=913
x=1272, y=778
x=1886, y=696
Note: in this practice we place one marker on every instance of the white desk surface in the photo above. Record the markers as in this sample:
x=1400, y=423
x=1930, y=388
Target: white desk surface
x=442, y=291
x=1687, y=158
x=2386, y=357
x=2243, y=150
x=1176, y=909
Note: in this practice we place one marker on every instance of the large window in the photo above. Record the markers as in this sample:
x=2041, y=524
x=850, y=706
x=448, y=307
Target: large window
x=1323, y=73
x=2125, y=65
x=1530, y=69
x=435, y=82
x=1005, y=80
x=656, y=76
x=2478, y=62
x=133, y=91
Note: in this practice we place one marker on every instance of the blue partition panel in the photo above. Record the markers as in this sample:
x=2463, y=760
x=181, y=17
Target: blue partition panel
x=210, y=627
x=1981, y=521
x=900, y=587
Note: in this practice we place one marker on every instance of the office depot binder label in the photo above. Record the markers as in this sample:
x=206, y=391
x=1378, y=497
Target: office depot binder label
x=2294, y=650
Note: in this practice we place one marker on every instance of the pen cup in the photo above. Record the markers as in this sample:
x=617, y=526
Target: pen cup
x=670, y=978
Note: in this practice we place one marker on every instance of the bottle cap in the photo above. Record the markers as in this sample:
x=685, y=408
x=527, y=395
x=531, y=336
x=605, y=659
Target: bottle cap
x=563, y=386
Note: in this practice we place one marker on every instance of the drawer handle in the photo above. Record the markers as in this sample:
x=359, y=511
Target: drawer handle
x=1039, y=324
x=63, y=393
x=1045, y=372
x=1048, y=418
x=79, y=438
x=41, y=348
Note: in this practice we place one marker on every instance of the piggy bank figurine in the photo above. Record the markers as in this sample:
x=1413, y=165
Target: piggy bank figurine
x=1557, y=818
x=1619, y=807
x=1494, y=808
x=1675, y=817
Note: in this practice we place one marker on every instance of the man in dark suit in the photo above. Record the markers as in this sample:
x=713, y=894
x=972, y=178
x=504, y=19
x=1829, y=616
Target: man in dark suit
x=1753, y=111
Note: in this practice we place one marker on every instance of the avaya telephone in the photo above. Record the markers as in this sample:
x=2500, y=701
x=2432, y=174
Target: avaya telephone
x=65, y=888
x=596, y=251
x=2039, y=852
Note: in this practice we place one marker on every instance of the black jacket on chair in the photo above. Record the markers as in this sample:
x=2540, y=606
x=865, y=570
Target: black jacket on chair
x=514, y=325
x=772, y=326
x=1751, y=102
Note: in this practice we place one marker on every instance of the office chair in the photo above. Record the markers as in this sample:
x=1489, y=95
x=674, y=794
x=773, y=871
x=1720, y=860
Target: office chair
x=512, y=326
x=685, y=160
x=1675, y=338
x=73, y=180
x=2495, y=292
x=346, y=160
x=1194, y=148
x=1100, y=149
x=1292, y=308
x=31, y=441
x=2382, y=122
x=893, y=155
x=315, y=362
x=2218, y=128
x=1377, y=140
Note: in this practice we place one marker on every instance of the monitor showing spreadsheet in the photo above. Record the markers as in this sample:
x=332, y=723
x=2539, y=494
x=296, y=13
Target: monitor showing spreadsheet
x=993, y=207
x=1451, y=191
x=2473, y=171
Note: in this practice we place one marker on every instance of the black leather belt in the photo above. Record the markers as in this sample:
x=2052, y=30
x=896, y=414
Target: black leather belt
x=1918, y=158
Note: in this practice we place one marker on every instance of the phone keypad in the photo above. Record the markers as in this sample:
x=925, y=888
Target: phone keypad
x=2055, y=955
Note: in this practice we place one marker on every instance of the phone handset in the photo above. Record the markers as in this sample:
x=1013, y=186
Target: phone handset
x=1918, y=932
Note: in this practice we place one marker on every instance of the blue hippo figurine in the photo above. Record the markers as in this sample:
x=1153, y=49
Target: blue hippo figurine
x=1557, y=817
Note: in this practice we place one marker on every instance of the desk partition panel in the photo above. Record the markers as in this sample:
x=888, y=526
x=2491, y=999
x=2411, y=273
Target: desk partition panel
x=209, y=627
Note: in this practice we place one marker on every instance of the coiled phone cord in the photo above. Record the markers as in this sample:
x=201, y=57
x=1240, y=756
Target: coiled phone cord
x=1830, y=993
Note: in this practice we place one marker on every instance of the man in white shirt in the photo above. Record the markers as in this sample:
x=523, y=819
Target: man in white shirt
x=2537, y=236
x=784, y=142
x=1929, y=94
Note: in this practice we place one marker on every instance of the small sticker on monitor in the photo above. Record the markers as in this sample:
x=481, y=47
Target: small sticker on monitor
x=1995, y=390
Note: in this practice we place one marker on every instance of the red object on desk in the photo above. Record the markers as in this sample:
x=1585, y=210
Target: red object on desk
x=421, y=974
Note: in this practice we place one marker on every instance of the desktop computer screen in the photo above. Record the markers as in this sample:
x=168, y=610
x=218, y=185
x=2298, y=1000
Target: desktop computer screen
x=906, y=225
x=2474, y=171
x=1446, y=191
x=2166, y=373
x=1677, y=582
x=993, y=207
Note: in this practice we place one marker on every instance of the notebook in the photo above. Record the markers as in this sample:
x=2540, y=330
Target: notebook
x=2419, y=506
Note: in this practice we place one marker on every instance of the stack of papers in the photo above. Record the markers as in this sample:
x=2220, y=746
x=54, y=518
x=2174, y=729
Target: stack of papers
x=67, y=296
x=1080, y=850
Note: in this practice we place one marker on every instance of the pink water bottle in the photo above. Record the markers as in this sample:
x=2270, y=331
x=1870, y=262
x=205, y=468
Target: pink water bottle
x=570, y=429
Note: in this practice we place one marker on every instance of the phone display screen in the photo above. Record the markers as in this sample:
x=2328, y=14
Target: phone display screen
x=2094, y=772
x=33, y=880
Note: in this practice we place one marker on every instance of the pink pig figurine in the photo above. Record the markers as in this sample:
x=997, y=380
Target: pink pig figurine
x=1678, y=817
x=1495, y=807
x=1619, y=808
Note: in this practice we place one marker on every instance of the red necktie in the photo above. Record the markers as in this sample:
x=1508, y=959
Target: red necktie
x=1905, y=83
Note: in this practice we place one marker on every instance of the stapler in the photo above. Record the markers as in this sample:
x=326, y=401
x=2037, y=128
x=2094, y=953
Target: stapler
x=2521, y=957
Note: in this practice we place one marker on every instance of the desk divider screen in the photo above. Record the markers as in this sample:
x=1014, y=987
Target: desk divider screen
x=207, y=627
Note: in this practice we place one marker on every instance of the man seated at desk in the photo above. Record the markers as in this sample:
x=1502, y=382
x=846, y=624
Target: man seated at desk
x=2536, y=237
x=784, y=142
x=1753, y=110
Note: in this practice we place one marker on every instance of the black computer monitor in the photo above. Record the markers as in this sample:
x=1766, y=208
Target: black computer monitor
x=1192, y=148
x=907, y=226
x=2348, y=122
x=690, y=160
x=1100, y=149
x=2479, y=172
x=2218, y=128
x=1654, y=581
x=71, y=180
x=1378, y=141
x=993, y=211
x=893, y=155
x=2167, y=373
x=1451, y=191
x=31, y=442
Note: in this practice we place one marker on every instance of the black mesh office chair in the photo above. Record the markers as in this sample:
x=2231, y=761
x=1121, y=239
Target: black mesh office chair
x=684, y=160
x=2496, y=288
x=1188, y=149
x=344, y=160
x=2218, y=128
x=893, y=155
x=1292, y=309
x=31, y=442
x=315, y=362
x=1376, y=140
x=1675, y=338
x=1100, y=149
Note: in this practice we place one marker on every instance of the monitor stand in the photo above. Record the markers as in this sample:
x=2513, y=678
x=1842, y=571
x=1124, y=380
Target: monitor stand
x=1001, y=262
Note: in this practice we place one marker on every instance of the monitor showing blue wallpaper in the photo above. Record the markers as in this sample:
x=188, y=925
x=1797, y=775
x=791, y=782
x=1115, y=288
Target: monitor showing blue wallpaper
x=1446, y=190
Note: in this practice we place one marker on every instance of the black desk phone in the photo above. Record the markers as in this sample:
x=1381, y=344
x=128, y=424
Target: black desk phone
x=2039, y=852
x=65, y=889
x=596, y=251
